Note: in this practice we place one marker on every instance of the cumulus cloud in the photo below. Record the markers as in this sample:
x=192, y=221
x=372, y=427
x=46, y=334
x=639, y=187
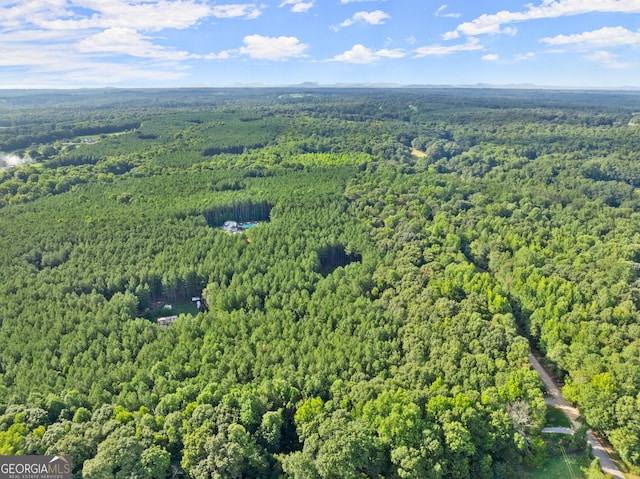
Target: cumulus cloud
x=15, y=15
x=377, y=17
x=437, y=49
x=357, y=54
x=75, y=58
x=360, y=54
x=491, y=57
x=452, y=35
x=67, y=42
x=298, y=6
x=246, y=10
x=603, y=38
x=489, y=24
x=272, y=48
x=127, y=41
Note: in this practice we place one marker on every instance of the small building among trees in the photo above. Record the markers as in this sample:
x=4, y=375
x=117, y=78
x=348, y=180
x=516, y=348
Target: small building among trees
x=232, y=227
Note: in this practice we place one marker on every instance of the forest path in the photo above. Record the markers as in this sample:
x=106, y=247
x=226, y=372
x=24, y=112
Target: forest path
x=598, y=449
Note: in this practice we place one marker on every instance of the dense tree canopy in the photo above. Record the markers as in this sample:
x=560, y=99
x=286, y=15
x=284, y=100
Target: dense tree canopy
x=373, y=318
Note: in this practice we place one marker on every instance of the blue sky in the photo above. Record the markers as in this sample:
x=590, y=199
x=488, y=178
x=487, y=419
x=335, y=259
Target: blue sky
x=95, y=43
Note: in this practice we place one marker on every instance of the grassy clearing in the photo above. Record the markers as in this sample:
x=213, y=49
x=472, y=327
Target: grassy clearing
x=556, y=468
x=556, y=418
x=177, y=308
x=185, y=307
x=418, y=153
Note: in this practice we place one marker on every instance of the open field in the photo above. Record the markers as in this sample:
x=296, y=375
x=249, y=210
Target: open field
x=558, y=468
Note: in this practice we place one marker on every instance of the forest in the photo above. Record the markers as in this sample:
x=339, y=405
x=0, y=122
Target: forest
x=408, y=249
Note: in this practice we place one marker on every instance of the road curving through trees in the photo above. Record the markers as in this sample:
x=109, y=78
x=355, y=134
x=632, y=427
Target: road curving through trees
x=599, y=450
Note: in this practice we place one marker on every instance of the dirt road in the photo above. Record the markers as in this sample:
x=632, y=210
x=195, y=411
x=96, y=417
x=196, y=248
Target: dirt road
x=598, y=449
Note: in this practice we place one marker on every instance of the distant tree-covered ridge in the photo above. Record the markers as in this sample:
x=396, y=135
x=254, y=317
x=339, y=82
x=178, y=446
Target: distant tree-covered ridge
x=374, y=323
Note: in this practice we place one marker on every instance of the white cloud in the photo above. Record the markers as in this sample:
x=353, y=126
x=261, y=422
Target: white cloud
x=272, y=48
x=452, y=35
x=246, y=10
x=377, y=17
x=14, y=16
x=605, y=58
x=150, y=15
x=491, y=57
x=489, y=24
x=62, y=66
x=74, y=37
x=440, y=12
x=147, y=16
x=45, y=57
x=126, y=41
x=223, y=55
x=437, y=49
x=119, y=73
x=298, y=6
x=76, y=42
x=603, y=38
x=357, y=54
x=38, y=36
x=391, y=53
x=524, y=56
x=358, y=1
x=362, y=55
